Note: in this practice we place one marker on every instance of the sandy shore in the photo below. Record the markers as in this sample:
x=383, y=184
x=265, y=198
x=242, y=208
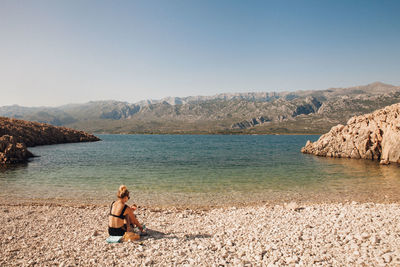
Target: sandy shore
x=319, y=234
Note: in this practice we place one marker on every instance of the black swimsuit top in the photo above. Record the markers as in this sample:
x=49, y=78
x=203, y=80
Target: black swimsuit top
x=121, y=216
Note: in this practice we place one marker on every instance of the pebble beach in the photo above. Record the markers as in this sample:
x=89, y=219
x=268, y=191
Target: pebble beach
x=334, y=234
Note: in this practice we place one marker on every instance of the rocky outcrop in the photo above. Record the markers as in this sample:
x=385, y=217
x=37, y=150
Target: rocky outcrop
x=374, y=136
x=11, y=151
x=16, y=135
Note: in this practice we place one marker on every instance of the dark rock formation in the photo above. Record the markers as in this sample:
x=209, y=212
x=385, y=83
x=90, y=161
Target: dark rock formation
x=16, y=135
x=11, y=151
x=374, y=136
x=311, y=106
x=251, y=123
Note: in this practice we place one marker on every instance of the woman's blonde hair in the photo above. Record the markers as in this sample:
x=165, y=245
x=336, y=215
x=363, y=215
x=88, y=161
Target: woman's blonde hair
x=122, y=192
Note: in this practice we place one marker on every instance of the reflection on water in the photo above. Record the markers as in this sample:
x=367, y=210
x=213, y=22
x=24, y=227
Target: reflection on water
x=9, y=168
x=360, y=180
x=197, y=170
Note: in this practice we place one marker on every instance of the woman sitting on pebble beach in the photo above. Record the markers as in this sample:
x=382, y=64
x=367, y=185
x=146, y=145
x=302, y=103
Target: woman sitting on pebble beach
x=121, y=216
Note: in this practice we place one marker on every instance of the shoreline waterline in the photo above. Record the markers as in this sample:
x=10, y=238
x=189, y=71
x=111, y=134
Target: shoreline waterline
x=251, y=204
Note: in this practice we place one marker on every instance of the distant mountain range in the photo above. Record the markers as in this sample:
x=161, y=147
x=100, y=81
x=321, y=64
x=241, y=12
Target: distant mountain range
x=314, y=111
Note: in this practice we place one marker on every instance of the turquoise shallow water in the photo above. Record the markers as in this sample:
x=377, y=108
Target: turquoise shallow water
x=197, y=170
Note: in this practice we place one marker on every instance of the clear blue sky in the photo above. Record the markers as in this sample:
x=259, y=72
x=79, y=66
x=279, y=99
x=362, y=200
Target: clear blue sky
x=59, y=52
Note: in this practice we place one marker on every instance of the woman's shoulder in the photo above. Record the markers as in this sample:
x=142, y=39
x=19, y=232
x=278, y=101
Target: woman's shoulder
x=117, y=205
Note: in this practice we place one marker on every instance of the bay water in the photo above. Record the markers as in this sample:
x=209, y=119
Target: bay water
x=196, y=170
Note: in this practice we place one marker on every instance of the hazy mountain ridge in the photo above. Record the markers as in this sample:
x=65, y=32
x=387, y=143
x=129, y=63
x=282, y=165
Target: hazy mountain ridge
x=269, y=112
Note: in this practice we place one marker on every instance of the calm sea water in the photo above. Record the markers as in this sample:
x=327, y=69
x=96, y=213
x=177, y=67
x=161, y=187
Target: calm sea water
x=197, y=170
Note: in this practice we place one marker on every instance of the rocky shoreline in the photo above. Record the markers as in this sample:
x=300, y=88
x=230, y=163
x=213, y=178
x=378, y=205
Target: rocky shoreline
x=17, y=135
x=339, y=234
x=374, y=136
